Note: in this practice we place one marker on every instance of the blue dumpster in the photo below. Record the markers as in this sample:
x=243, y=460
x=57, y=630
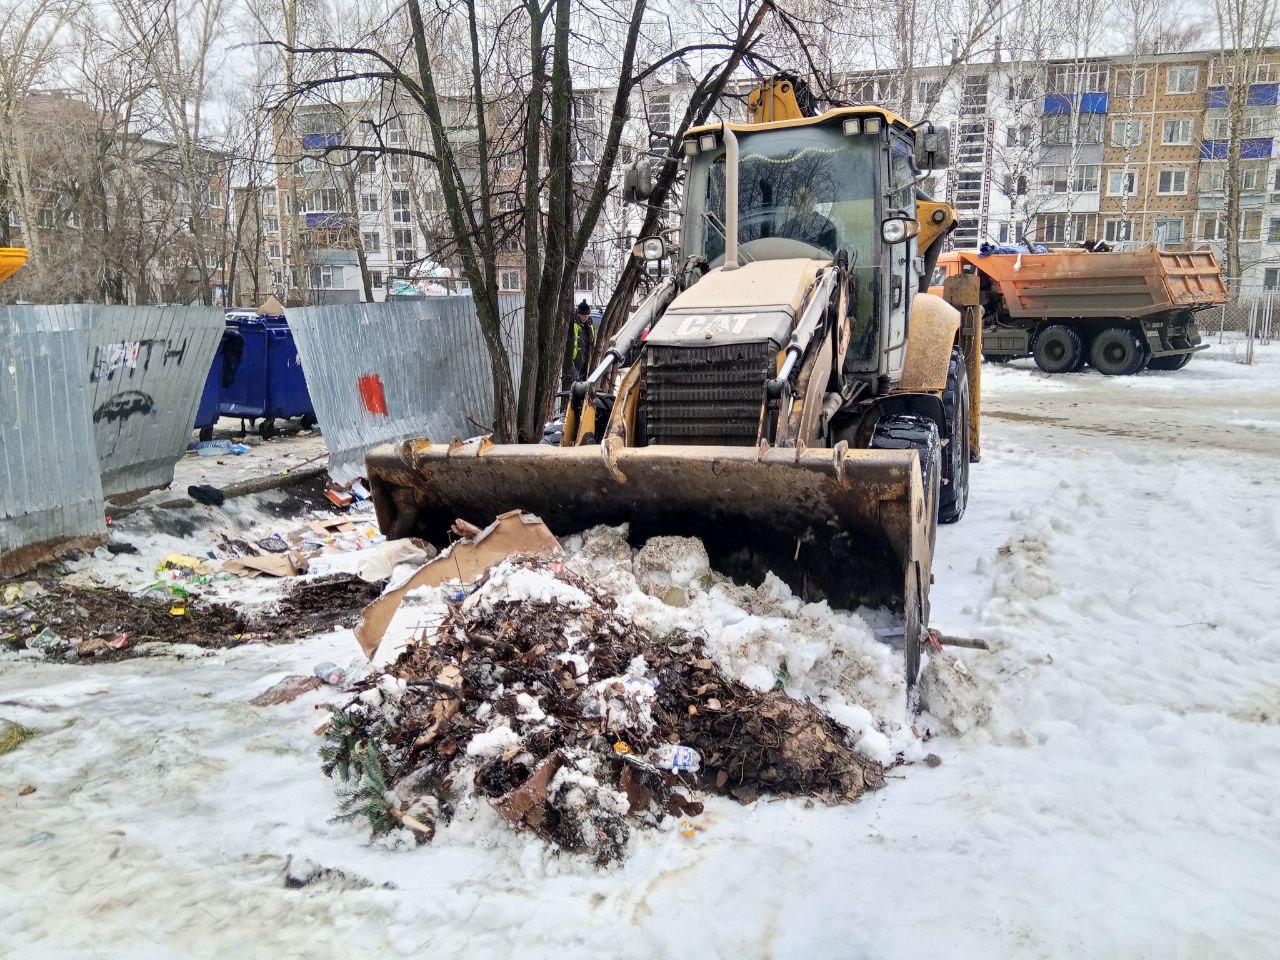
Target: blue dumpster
x=207, y=412
x=267, y=383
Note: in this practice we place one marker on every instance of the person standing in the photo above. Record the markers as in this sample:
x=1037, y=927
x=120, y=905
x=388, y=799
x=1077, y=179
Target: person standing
x=582, y=341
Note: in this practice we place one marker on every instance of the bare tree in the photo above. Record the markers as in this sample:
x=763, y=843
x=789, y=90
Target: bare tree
x=1245, y=29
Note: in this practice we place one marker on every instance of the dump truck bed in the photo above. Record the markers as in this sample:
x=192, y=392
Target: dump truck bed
x=11, y=258
x=1078, y=284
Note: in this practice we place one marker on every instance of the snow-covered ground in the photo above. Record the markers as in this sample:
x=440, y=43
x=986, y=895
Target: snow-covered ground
x=1119, y=553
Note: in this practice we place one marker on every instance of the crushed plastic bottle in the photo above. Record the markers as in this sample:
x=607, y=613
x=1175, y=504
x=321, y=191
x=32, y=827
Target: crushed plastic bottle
x=330, y=673
x=677, y=758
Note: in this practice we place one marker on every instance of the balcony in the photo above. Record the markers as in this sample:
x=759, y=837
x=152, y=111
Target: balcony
x=319, y=141
x=1251, y=148
x=1260, y=95
x=329, y=221
x=1062, y=103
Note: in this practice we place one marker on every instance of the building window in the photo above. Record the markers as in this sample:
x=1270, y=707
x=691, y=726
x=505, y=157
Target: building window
x=1065, y=179
x=326, y=276
x=275, y=251
x=375, y=278
x=1168, y=230
x=1213, y=226
x=1060, y=228
x=1022, y=88
x=369, y=202
x=973, y=94
x=1121, y=183
x=402, y=242
x=1251, y=230
x=1177, y=132
x=1271, y=278
x=1182, y=79
x=400, y=207
x=1273, y=230
x=1070, y=78
x=582, y=152
x=326, y=200
x=1117, y=231
x=1019, y=136
x=585, y=281
x=506, y=202
x=1126, y=133
x=509, y=281
x=271, y=224
x=1131, y=83
x=659, y=107
x=927, y=92
x=397, y=169
x=584, y=106
x=969, y=146
x=372, y=242
x=1015, y=186
x=1172, y=182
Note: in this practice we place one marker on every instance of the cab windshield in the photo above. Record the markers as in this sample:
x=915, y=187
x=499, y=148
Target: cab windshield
x=802, y=192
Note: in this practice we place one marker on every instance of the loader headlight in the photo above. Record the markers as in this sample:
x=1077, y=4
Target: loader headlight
x=871, y=125
x=852, y=127
x=897, y=228
x=691, y=147
x=653, y=248
x=707, y=141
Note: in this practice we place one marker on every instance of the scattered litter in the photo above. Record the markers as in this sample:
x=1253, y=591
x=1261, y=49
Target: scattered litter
x=274, y=544
x=286, y=564
x=286, y=690
x=512, y=534
x=207, y=494
x=338, y=496
x=120, y=546
x=216, y=448
x=27, y=590
x=28, y=790
x=690, y=828
x=330, y=673
x=13, y=735
x=490, y=704
x=379, y=562
x=178, y=610
x=360, y=491
x=102, y=553
x=181, y=561
x=676, y=757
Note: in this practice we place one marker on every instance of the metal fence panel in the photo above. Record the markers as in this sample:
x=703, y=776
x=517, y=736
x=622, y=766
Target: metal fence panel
x=147, y=367
x=50, y=494
x=385, y=372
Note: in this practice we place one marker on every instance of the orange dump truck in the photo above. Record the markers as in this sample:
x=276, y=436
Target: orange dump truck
x=1118, y=311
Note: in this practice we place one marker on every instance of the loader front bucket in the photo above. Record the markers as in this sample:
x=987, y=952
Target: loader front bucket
x=848, y=526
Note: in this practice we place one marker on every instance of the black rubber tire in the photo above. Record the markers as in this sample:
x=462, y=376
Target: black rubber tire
x=267, y=429
x=996, y=358
x=909, y=432
x=308, y=421
x=1117, y=352
x=1058, y=349
x=954, y=495
x=1175, y=362
x=206, y=433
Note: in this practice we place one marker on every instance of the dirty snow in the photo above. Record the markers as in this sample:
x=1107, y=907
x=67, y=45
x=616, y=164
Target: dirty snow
x=1119, y=800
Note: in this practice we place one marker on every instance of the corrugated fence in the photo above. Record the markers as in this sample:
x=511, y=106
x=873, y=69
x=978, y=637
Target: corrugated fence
x=50, y=493
x=384, y=372
x=147, y=366
x=97, y=401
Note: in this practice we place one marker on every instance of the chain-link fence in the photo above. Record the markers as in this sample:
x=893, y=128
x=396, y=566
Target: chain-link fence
x=1248, y=321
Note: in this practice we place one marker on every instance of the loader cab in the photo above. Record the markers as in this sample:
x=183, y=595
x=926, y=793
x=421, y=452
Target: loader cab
x=808, y=189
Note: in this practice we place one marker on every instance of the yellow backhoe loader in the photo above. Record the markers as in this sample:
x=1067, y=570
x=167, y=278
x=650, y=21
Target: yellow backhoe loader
x=788, y=393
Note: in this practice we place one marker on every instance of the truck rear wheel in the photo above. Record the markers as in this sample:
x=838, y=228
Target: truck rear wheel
x=1058, y=349
x=1175, y=362
x=1117, y=352
x=954, y=496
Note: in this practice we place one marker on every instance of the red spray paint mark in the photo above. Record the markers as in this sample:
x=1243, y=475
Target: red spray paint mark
x=375, y=401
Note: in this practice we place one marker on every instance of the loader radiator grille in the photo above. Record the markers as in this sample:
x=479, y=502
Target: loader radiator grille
x=706, y=395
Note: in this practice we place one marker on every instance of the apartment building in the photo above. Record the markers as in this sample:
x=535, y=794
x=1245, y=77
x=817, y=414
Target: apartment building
x=324, y=214
x=1126, y=149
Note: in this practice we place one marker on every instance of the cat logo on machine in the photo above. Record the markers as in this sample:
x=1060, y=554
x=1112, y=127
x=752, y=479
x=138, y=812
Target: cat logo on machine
x=709, y=326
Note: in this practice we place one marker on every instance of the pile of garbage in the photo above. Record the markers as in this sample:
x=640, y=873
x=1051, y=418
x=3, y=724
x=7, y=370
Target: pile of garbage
x=533, y=690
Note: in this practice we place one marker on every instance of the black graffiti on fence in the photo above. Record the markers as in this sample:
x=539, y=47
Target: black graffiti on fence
x=124, y=405
x=134, y=355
